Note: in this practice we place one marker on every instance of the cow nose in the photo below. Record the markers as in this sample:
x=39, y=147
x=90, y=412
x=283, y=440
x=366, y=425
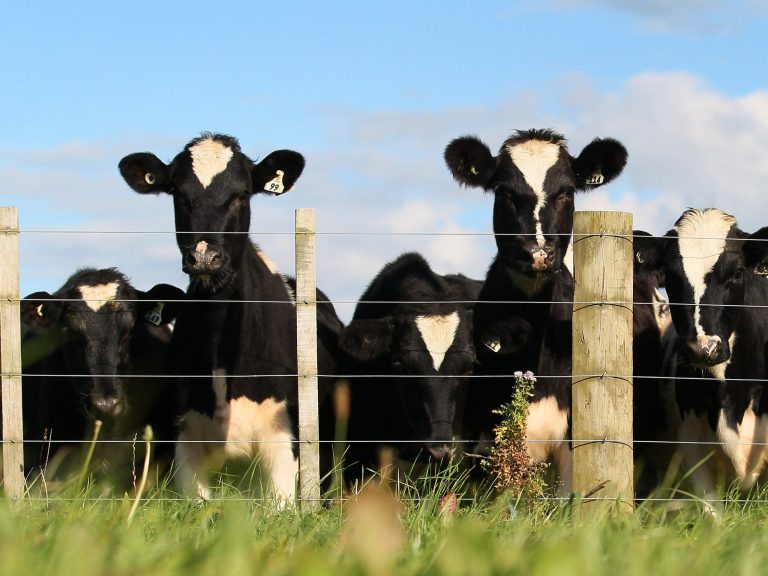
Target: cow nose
x=543, y=256
x=203, y=260
x=705, y=350
x=107, y=406
x=438, y=451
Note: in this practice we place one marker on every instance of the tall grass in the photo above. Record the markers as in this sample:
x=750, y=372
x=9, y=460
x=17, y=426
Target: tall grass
x=404, y=528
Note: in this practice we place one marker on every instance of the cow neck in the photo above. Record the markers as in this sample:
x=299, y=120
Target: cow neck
x=242, y=314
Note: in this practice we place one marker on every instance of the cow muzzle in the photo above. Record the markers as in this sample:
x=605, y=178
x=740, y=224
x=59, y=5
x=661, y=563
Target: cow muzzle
x=107, y=407
x=203, y=259
x=543, y=258
x=705, y=351
x=439, y=450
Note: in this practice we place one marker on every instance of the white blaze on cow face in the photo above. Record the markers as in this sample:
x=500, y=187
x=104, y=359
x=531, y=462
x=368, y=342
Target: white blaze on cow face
x=701, y=239
x=97, y=296
x=201, y=247
x=534, y=158
x=209, y=158
x=438, y=333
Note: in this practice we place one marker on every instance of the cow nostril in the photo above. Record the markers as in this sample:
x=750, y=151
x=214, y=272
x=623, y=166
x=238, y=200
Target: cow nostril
x=190, y=259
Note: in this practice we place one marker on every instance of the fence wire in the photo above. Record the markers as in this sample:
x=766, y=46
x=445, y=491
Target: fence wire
x=454, y=442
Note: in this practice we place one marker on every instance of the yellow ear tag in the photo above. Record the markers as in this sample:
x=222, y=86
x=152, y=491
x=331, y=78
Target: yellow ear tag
x=39, y=310
x=276, y=184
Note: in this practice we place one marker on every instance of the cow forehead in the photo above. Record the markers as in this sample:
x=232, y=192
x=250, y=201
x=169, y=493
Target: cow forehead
x=438, y=333
x=701, y=238
x=96, y=296
x=534, y=158
x=209, y=158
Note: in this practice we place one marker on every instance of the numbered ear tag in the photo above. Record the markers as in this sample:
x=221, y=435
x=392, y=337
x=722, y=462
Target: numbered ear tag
x=155, y=316
x=596, y=179
x=493, y=345
x=276, y=184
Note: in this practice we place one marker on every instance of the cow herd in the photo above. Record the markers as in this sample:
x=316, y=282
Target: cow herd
x=428, y=357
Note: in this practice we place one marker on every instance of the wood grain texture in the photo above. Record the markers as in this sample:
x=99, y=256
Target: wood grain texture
x=10, y=354
x=306, y=348
x=602, y=361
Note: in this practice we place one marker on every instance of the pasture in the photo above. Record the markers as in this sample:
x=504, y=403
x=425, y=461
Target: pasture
x=83, y=533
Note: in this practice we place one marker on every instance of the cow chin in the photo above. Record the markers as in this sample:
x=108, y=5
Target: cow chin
x=531, y=281
x=210, y=283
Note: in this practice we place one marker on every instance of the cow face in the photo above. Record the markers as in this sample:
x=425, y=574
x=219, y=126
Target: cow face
x=533, y=179
x=211, y=182
x=92, y=319
x=429, y=357
x=706, y=261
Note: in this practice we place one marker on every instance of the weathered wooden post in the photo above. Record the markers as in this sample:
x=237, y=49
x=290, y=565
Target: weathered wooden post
x=10, y=354
x=306, y=350
x=602, y=362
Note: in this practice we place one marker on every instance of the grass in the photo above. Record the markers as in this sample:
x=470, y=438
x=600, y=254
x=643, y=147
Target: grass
x=409, y=530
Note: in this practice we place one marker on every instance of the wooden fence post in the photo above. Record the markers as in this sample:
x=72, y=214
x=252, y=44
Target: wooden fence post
x=306, y=352
x=10, y=354
x=602, y=362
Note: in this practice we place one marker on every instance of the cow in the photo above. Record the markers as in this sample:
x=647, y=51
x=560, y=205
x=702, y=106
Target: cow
x=235, y=347
x=522, y=321
x=411, y=347
x=715, y=277
x=655, y=415
x=96, y=349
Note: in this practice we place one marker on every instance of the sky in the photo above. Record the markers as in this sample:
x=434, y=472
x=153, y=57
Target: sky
x=370, y=93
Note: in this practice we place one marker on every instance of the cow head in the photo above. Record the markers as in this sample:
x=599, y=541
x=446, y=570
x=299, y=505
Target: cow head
x=93, y=318
x=533, y=179
x=428, y=357
x=212, y=182
x=706, y=261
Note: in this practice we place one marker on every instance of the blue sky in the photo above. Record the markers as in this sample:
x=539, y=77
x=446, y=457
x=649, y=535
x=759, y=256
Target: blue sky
x=370, y=93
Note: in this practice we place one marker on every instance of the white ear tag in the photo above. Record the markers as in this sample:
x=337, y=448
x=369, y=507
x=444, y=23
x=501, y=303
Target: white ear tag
x=596, y=179
x=155, y=316
x=493, y=345
x=276, y=184
x=39, y=310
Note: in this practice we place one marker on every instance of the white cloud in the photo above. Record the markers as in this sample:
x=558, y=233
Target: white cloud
x=689, y=145
x=697, y=17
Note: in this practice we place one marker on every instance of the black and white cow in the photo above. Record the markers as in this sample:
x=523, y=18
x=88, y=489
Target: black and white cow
x=239, y=341
x=715, y=277
x=90, y=352
x=523, y=319
x=413, y=327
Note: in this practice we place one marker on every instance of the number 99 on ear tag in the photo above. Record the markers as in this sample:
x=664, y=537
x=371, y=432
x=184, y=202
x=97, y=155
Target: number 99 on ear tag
x=276, y=184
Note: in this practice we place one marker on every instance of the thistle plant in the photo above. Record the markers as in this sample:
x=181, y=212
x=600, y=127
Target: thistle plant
x=509, y=462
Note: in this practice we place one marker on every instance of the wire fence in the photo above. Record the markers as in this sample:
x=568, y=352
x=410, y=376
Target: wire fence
x=456, y=442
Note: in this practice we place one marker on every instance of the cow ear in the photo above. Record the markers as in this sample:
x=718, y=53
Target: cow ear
x=38, y=312
x=470, y=161
x=145, y=173
x=160, y=304
x=649, y=254
x=600, y=162
x=278, y=172
x=756, y=252
x=367, y=340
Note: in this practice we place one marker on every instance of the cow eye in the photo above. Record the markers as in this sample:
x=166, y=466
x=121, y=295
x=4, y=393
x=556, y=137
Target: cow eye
x=737, y=278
